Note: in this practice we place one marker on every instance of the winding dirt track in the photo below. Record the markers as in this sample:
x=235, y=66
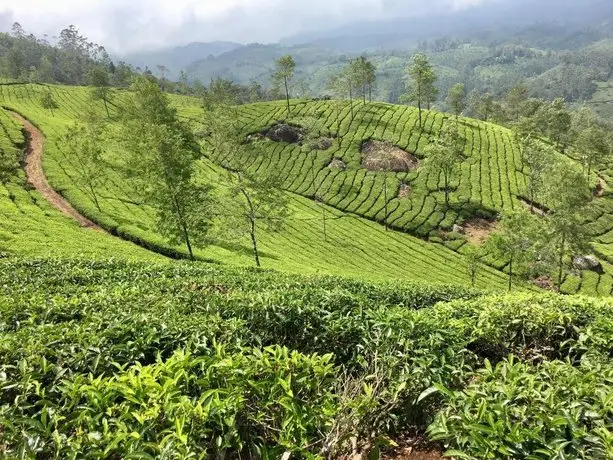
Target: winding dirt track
x=36, y=175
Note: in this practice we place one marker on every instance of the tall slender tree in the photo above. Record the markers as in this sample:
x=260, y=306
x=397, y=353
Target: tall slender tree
x=284, y=71
x=456, y=99
x=254, y=202
x=443, y=157
x=101, y=86
x=162, y=161
x=567, y=194
x=422, y=90
x=82, y=145
x=517, y=242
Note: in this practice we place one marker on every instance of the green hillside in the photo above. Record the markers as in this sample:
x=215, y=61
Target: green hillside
x=423, y=247
x=355, y=246
x=111, y=350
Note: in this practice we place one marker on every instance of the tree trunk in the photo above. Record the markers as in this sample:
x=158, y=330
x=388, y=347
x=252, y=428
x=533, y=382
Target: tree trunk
x=561, y=261
x=256, y=254
x=184, y=229
x=369, y=93
x=419, y=110
x=287, y=99
x=385, y=198
x=188, y=243
x=446, y=191
x=510, y=275
x=364, y=92
x=95, y=197
x=351, y=102
x=108, y=115
x=323, y=215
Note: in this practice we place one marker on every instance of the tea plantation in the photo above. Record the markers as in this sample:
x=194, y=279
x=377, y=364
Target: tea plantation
x=110, y=349
x=135, y=360
x=423, y=245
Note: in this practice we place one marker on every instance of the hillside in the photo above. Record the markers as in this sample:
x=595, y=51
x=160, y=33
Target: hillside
x=423, y=244
x=110, y=350
x=355, y=246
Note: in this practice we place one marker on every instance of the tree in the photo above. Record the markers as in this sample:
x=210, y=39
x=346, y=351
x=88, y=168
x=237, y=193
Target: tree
x=47, y=101
x=593, y=146
x=220, y=92
x=443, y=157
x=162, y=69
x=255, y=202
x=567, y=193
x=456, y=97
x=364, y=75
x=422, y=90
x=517, y=242
x=482, y=105
x=284, y=71
x=101, y=86
x=538, y=158
x=343, y=85
x=183, y=83
x=82, y=145
x=311, y=141
x=515, y=99
x=162, y=159
x=473, y=264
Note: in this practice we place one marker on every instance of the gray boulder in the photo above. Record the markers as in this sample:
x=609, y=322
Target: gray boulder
x=587, y=263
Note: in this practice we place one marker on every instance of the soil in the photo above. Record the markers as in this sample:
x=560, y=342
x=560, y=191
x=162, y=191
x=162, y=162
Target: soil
x=337, y=164
x=478, y=230
x=538, y=211
x=282, y=132
x=36, y=175
x=383, y=156
x=412, y=454
x=599, y=193
x=404, y=191
x=545, y=282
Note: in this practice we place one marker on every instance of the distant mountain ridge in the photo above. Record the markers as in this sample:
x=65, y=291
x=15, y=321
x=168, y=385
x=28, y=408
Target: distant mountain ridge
x=178, y=58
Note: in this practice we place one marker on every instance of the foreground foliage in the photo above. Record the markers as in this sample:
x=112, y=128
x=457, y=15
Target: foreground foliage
x=115, y=359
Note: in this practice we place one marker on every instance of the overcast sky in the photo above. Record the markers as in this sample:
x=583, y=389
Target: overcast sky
x=129, y=25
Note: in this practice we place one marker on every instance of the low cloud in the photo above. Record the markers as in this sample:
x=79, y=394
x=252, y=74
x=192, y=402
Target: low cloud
x=127, y=26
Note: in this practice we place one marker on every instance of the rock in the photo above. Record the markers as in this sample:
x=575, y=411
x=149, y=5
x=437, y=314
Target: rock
x=458, y=229
x=284, y=133
x=587, y=263
x=337, y=164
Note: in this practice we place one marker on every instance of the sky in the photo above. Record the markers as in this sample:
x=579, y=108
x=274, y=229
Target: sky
x=125, y=26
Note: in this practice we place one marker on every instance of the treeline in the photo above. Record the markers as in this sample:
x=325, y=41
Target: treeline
x=27, y=58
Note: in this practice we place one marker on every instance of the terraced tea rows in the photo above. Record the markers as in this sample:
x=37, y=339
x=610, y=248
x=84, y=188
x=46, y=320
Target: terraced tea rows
x=355, y=246
x=491, y=178
x=30, y=226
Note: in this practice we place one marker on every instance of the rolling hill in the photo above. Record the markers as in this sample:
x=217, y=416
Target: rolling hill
x=109, y=349
x=422, y=244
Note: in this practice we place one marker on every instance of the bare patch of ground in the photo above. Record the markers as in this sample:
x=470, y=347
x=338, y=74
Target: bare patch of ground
x=477, y=230
x=384, y=156
x=291, y=134
x=534, y=208
x=337, y=163
x=36, y=175
x=599, y=192
x=545, y=282
x=404, y=191
x=413, y=454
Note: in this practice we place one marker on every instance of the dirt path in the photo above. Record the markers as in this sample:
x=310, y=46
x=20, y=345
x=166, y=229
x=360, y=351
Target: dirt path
x=36, y=175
